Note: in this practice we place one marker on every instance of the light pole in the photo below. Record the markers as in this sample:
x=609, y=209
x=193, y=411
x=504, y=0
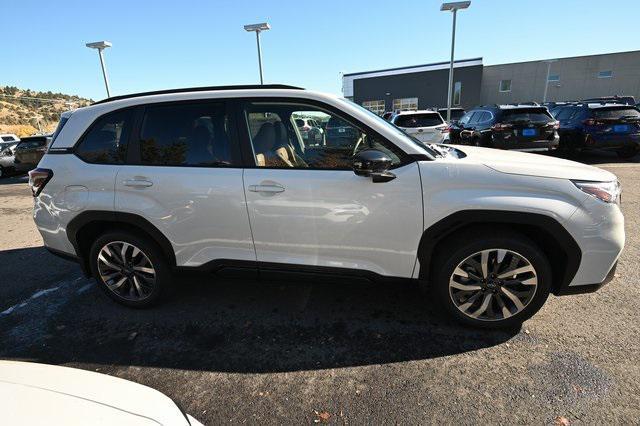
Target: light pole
x=100, y=46
x=546, y=81
x=453, y=7
x=258, y=28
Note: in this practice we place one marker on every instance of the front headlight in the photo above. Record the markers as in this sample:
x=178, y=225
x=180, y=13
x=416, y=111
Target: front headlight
x=609, y=192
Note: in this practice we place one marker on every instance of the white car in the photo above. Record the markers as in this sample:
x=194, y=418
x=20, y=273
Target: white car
x=427, y=126
x=218, y=180
x=9, y=138
x=39, y=394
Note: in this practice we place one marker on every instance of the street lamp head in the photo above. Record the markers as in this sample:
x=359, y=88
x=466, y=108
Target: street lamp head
x=257, y=27
x=455, y=5
x=99, y=45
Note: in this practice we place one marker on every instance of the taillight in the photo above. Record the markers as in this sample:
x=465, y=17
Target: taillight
x=554, y=124
x=501, y=126
x=590, y=122
x=445, y=130
x=38, y=178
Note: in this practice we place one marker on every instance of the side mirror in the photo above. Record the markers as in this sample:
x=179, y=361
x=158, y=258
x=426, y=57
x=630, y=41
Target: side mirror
x=373, y=163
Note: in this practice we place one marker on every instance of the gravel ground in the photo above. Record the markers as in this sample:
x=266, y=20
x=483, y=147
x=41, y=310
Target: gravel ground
x=292, y=353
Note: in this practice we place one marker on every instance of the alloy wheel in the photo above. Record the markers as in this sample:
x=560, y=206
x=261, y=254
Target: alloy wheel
x=493, y=284
x=126, y=270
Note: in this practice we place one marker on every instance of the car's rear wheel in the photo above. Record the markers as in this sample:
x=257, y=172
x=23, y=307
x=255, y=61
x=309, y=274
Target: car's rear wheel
x=1, y=172
x=130, y=269
x=628, y=152
x=492, y=281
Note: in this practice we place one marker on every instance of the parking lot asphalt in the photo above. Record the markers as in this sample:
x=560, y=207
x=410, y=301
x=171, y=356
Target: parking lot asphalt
x=292, y=353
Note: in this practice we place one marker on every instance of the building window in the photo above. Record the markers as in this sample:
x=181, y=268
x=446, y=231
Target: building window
x=605, y=74
x=505, y=86
x=457, y=93
x=405, y=104
x=376, y=107
x=554, y=78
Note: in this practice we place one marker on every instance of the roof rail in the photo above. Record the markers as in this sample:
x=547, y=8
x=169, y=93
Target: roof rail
x=199, y=89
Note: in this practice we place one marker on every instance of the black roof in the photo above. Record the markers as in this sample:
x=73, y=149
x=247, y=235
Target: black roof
x=199, y=89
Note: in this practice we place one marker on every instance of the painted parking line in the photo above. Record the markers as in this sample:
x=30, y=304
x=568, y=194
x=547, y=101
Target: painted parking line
x=40, y=293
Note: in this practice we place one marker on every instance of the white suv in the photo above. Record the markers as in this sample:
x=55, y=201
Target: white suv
x=138, y=187
x=426, y=126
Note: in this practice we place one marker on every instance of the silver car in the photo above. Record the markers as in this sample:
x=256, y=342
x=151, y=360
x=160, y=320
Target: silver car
x=7, y=158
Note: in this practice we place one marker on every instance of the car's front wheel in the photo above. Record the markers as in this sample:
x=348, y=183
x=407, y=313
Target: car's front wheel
x=129, y=268
x=496, y=279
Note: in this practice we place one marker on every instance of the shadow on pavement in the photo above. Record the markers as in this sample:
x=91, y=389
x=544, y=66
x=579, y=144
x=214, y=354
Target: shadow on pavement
x=14, y=179
x=238, y=326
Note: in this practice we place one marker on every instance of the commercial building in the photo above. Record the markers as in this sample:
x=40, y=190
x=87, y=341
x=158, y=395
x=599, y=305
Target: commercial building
x=424, y=86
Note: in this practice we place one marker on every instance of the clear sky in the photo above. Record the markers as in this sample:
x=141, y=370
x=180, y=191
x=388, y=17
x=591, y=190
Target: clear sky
x=165, y=44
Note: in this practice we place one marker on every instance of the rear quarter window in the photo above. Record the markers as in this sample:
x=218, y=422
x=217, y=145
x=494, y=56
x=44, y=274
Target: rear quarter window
x=106, y=140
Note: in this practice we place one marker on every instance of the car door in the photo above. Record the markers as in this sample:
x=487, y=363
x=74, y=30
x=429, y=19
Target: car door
x=308, y=208
x=183, y=174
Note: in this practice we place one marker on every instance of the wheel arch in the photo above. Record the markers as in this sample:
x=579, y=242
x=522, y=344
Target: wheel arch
x=84, y=228
x=561, y=249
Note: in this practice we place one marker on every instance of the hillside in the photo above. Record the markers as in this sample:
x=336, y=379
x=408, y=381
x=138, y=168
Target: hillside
x=25, y=112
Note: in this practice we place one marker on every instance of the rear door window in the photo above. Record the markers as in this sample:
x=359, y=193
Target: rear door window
x=106, y=140
x=192, y=134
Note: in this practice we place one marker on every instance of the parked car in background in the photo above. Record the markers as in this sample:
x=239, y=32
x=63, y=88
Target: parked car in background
x=516, y=127
x=9, y=137
x=456, y=114
x=311, y=131
x=339, y=133
x=489, y=233
x=40, y=394
x=29, y=152
x=7, y=150
x=613, y=127
x=626, y=100
x=426, y=126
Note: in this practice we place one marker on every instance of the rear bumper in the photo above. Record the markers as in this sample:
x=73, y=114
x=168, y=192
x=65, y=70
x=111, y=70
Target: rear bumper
x=71, y=258
x=611, y=141
x=525, y=145
x=587, y=288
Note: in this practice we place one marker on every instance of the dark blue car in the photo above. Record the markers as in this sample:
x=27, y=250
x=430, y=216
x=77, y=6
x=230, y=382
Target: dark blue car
x=606, y=126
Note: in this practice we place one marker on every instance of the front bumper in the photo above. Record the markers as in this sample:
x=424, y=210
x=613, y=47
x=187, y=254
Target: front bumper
x=587, y=288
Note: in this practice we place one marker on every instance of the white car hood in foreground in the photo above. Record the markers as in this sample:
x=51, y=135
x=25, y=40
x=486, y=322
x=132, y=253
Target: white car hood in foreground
x=39, y=394
x=521, y=163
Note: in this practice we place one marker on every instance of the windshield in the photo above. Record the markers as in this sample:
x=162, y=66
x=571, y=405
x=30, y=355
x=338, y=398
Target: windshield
x=394, y=128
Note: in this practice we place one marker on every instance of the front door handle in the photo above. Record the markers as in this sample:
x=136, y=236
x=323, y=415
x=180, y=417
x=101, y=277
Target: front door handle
x=137, y=183
x=271, y=189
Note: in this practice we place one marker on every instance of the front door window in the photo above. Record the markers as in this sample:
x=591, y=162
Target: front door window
x=289, y=135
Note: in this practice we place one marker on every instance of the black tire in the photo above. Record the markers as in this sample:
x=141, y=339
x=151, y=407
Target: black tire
x=627, y=152
x=460, y=247
x=2, y=172
x=163, y=275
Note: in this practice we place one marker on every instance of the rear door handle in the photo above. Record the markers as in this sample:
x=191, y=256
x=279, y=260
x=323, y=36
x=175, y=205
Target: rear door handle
x=272, y=189
x=137, y=183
